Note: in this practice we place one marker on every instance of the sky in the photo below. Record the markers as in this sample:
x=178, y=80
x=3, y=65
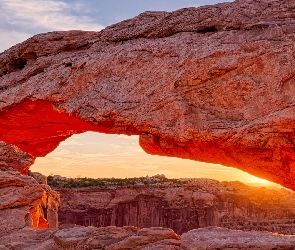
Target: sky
x=93, y=154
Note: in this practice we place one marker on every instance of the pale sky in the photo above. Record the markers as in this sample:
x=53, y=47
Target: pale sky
x=93, y=154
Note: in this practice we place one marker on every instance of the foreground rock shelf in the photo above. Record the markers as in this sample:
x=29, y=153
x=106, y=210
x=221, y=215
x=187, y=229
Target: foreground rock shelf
x=213, y=84
x=123, y=238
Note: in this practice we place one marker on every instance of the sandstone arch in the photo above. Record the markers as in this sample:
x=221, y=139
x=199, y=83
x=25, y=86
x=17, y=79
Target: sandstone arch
x=211, y=84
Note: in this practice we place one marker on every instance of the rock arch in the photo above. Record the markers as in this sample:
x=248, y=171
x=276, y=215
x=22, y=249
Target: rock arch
x=222, y=95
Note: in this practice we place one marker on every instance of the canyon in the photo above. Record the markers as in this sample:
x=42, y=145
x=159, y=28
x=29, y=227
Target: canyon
x=212, y=84
x=182, y=206
x=212, y=202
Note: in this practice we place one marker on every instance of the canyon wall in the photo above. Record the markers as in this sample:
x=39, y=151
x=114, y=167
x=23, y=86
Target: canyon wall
x=185, y=207
x=213, y=84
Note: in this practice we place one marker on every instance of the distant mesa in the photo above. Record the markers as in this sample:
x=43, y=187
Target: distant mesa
x=179, y=204
x=212, y=84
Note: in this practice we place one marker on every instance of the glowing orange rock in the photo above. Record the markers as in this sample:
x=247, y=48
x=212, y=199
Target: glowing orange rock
x=212, y=84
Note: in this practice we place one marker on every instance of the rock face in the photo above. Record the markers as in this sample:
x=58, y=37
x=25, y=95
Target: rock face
x=212, y=84
x=220, y=238
x=116, y=238
x=23, y=202
x=12, y=158
x=40, y=178
x=108, y=238
x=199, y=204
x=49, y=206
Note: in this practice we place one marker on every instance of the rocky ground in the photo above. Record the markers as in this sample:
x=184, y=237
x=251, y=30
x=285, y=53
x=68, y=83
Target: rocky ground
x=123, y=238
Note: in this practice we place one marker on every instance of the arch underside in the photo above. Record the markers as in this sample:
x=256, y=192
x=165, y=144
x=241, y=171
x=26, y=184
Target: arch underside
x=36, y=127
x=211, y=84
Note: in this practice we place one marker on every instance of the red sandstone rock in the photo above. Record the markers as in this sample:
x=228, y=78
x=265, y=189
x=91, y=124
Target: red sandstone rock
x=29, y=238
x=212, y=84
x=145, y=237
x=23, y=202
x=111, y=238
x=49, y=206
x=199, y=204
x=220, y=238
x=19, y=201
x=40, y=178
x=13, y=158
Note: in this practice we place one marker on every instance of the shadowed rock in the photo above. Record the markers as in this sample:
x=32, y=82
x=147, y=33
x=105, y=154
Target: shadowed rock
x=213, y=84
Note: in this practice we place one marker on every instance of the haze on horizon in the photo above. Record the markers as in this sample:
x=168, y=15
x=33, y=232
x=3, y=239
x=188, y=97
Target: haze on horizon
x=98, y=155
x=92, y=154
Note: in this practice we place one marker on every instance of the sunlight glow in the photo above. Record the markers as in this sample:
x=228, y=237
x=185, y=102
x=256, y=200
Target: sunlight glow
x=98, y=155
x=262, y=180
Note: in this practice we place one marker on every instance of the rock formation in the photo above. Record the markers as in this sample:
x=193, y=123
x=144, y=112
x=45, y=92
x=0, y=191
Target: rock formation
x=114, y=238
x=220, y=238
x=12, y=158
x=23, y=202
x=108, y=238
x=213, y=84
x=196, y=204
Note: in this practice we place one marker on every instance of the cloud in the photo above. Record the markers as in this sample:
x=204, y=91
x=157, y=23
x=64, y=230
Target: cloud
x=115, y=145
x=50, y=14
x=22, y=19
x=11, y=37
x=70, y=143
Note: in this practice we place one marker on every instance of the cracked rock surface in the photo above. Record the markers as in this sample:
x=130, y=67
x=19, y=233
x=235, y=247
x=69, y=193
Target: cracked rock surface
x=213, y=84
x=123, y=238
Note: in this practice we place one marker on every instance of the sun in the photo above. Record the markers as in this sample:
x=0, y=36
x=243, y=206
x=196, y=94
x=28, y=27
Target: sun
x=255, y=179
x=262, y=180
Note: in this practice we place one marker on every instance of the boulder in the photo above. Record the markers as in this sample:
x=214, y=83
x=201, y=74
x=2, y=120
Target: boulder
x=145, y=236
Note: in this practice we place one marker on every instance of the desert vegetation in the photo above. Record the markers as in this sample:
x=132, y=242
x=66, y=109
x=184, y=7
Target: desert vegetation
x=57, y=181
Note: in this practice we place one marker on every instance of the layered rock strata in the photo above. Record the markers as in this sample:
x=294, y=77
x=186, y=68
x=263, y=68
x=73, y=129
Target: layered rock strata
x=12, y=158
x=108, y=238
x=182, y=207
x=24, y=202
x=213, y=84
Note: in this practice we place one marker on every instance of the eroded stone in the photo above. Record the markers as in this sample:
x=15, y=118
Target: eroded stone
x=211, y=84
x=221, y=238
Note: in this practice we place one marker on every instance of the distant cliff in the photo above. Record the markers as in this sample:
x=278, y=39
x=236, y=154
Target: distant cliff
x=194, y=204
